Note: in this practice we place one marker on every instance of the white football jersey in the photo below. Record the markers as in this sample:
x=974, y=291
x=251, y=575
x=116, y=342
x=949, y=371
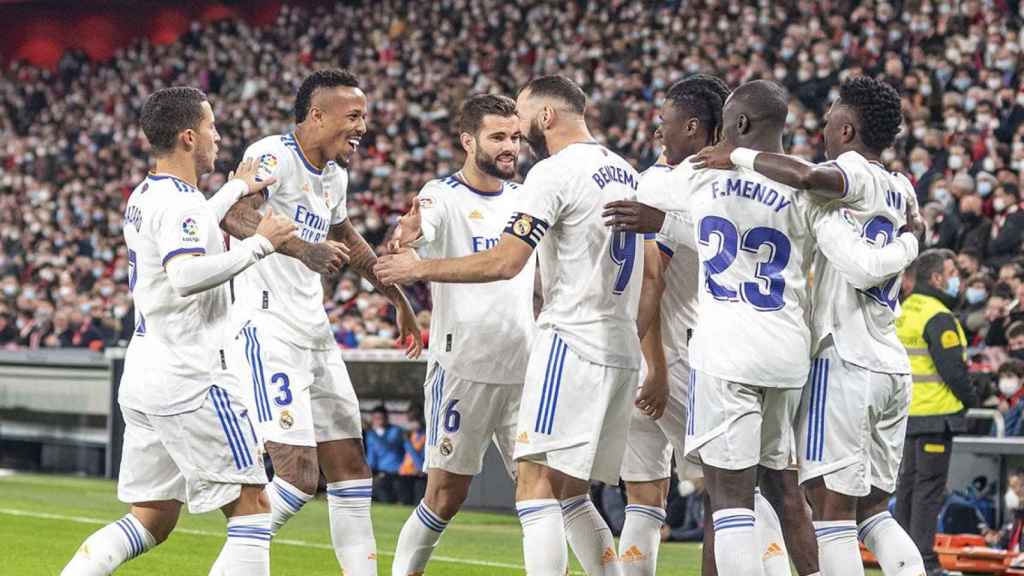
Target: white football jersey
x=590, y=274
x=478, y=332
x=679, y=301
x=755, y=247
x=862, y=322
x=281, y=289
x=176, y=348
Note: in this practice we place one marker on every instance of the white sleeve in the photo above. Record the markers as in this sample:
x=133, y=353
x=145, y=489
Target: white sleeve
x=190, y=276
x=858, y=185
x=225, y=198
x=543, y=201
x=859, y=262
x=431, y=215
x=273, y=161
x=339, y=212
x=677, y=229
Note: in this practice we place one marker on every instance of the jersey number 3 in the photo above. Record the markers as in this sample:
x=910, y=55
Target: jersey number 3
x=765, y=293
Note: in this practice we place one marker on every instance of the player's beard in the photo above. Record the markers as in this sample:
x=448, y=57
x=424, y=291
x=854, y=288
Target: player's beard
x=489, y=165
x=538, y=143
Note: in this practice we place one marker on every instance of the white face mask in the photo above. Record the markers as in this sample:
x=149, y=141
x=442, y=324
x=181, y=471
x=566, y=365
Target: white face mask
x=1011, y=500
x=1008, y=386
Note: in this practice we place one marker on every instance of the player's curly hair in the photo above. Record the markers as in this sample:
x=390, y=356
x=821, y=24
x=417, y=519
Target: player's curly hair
x=703, y=96
x=331, y=78
x=878, y=109
x=169, y=112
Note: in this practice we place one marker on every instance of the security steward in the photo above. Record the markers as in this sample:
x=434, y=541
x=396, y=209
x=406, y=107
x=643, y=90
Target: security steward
x=942, y=393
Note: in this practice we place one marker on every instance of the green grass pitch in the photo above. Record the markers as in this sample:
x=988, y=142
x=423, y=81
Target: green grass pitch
x=43, y=519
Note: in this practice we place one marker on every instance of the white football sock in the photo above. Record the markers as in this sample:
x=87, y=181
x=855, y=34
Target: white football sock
x=891, y=545
x=285, y=501
x=768, y=528
x=355, y=547
x=640, y=539
x=417, y=541
x=736, y=550
x=544, y=550
x=589, y=536
x=247, y=549
x=109, y=547
x=838, y=549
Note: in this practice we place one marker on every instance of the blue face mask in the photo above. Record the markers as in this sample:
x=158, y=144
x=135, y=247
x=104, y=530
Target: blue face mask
x=953, y=286
x=975, y=295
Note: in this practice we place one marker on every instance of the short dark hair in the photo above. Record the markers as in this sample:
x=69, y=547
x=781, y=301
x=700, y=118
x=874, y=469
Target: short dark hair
x=330, y=78
x=878, y=108
x=379, y=409
x=763, y=101
x=473, y=110
x=1011, y=366
x=931, y=262
x=703, y=96
x=1002, y=290
x=167, y=113
x=1015, y=329
x=561, y=88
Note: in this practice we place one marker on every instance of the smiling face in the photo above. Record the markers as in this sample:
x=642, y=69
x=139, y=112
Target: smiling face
x=681, y=133
x=495, y=148
x=340, y=114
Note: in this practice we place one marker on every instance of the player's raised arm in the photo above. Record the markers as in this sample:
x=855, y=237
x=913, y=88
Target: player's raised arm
x=826, y=180
x=242, y=218
x=363, y=260
x=189, y=274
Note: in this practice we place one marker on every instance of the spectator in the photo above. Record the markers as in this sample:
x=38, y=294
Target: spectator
x=1010, y=376
x=997, y=310
x=385, y=450
x=1015, y=340
x=1007, y=226
x=413, y=479
x=973, y=305
x=975, y=229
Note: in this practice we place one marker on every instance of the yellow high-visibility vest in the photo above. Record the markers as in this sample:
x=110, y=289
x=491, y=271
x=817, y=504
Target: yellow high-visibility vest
x=931, y=396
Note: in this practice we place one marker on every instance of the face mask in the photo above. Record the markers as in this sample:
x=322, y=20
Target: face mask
x=918, y=169
x=386, y=334
x=956, y=162
x=1018, y=354
x=1011, y=500
x=999, y=204
x=989, y=164
x=984, y=188
x=926, y=89
x=786, y=53
x=975, y=295
x=962, y=84
x=106, y=291
x=953, y=286
x=1008, y=386
x=951, y=123
x=984, y=120
x=346, y=295
x=994, y=83
x=941, y=195
x=10, y=290
x=799, y=139
x=120, y=311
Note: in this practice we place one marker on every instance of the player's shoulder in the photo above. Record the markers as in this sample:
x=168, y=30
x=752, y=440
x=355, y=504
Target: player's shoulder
x=166, y=190
x=272, y=151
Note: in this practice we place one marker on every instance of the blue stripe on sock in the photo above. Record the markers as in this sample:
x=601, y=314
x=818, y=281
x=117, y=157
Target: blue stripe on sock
x=134, y=547
x=566, y=508
x=293, y=501
x=138, y=537
x=224, y=426
x=863, y=532
x=429, y=521
x=646, y=512
x=833, y=530
x=533, y=509
x=734, y=525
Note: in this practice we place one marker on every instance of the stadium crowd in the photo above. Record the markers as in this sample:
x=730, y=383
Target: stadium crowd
x=73, y=149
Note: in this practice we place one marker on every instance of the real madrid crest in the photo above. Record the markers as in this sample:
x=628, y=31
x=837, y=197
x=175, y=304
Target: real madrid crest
x=446, y=447
x=523, y=226
x=286, y=420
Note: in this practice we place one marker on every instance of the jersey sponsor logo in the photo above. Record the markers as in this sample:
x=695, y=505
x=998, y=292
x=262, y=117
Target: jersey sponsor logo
x=267, y=167
x=476, y=215
x=949, y=339
x=482, y=244
x=740, y=188
x=189, y=230
x=426, y=202
x=312, y=226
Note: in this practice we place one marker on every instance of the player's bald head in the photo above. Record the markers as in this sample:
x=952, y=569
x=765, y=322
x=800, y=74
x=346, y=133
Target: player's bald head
x=762, y=103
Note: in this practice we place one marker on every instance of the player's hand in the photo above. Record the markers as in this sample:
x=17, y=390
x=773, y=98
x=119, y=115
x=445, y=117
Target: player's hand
x=407, y=231
x=277, y=229
x=325, y=257
x=409, y=331
x=399, y=268
x=716, y=156
x=246, y=172
x=653, y=394
x=632, y=216
x=915, y=222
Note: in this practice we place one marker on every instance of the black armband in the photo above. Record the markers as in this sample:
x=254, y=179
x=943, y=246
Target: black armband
x=527, y=228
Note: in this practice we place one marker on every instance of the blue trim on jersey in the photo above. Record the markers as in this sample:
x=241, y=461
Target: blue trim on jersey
x=815, y=448
x=290, y=141
x=846, y=180
x=232, y=430
x=666, y=250
x=180, y=184
x=181, y=251
x=254, y=352
x=552, y=384
x=691, y=402
x=454, y=181
x=437, y=394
